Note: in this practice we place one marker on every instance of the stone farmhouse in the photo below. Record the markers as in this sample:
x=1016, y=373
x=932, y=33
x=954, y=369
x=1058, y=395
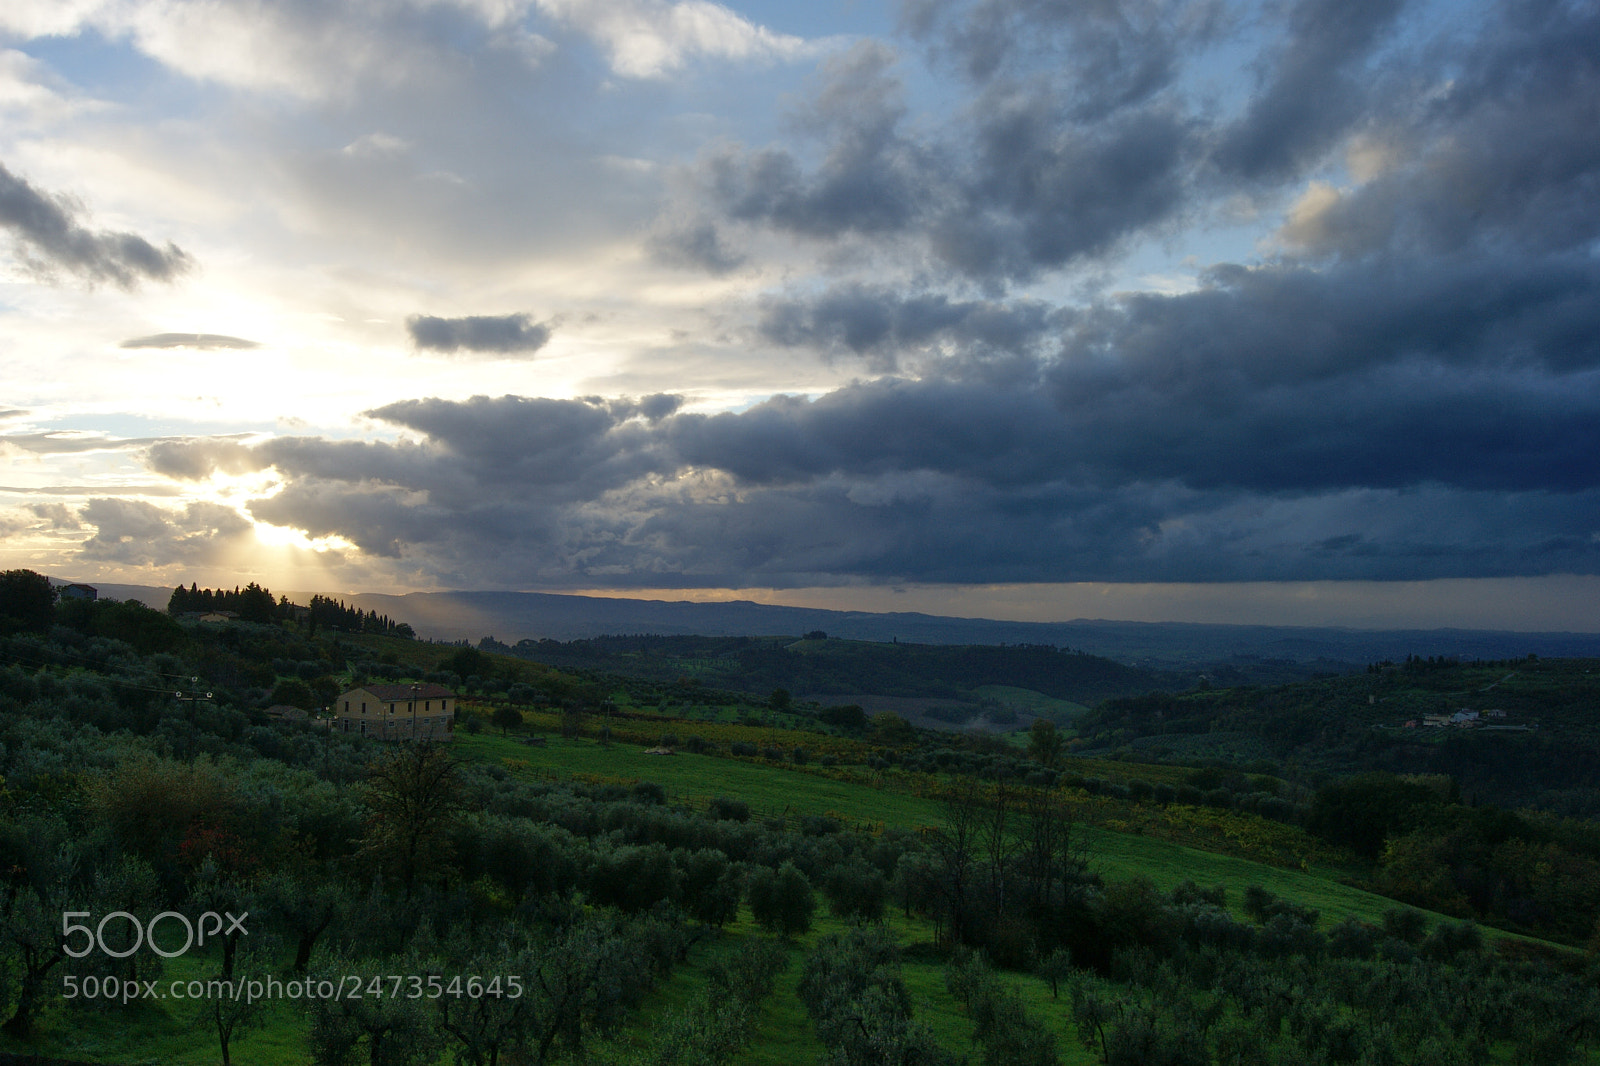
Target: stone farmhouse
x=397, y=712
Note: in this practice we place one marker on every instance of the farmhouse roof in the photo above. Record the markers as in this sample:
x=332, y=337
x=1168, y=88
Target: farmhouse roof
x=428, y=691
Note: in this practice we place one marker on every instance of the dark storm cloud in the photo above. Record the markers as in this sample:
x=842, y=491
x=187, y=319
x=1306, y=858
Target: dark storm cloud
x=1043, y=192
x=495, y=334
x=1280, y=423
x=1474, y=137
x=1110, y=55
x=879, y=322
x=1314, y=90
x=51, y=238
x=201, y=341
x=1020, y=186
x=1502, y=158
x=573, y=448
x=872, y=180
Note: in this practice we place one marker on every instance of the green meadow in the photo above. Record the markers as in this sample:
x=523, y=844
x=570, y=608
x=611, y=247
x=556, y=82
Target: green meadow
x=776, y=790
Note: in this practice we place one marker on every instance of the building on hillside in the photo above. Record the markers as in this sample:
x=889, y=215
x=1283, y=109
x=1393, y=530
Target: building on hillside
x=79, y=592
x=397, y=712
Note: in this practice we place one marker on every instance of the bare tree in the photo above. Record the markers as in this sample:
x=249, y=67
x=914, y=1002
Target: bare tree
x=413, y=796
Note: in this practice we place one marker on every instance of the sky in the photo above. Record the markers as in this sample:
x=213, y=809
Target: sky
x=1275, y=311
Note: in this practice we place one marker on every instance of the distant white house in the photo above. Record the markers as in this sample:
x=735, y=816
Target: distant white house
x=79, y=592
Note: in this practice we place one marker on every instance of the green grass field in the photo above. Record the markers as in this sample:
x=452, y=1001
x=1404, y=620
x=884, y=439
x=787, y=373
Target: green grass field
x=780, y=790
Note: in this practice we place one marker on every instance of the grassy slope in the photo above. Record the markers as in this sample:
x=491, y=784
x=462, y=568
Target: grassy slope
x=776, y=790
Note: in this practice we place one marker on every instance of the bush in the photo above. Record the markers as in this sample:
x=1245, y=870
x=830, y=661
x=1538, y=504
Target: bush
x=724, y=809
x=649, y=793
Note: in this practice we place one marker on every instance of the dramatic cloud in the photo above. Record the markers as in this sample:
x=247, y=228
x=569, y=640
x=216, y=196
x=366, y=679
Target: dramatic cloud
x=872, y=180
x=195, y=460
x=56, y=515
x=1500, y=159
x=1018, y=185
x=1111, y=55
x=199, y=341
x=51, y=238
x=879, y=323
x=497, y=334
x=135, y=533
x=1314, y=89
x=1012, y=291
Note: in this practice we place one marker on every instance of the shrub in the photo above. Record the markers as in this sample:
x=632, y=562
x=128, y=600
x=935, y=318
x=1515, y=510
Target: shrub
x=648, y=792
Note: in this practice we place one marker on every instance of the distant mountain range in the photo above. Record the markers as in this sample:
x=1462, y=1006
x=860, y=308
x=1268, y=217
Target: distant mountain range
x=514, y=616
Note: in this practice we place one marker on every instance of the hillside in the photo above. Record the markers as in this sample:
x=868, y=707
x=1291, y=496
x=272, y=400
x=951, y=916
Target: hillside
x=653, y=904
x=941, y=680
x=1535, y=741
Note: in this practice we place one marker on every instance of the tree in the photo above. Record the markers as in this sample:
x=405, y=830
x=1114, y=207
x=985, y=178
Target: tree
x=506, y=717
x=133, y=623
x=573, y=716
x=861, y=1008
x=31, y=905
x=413, y=796
x=469, y=661
x=1055, y=968
x=954, y=847
x=780, y=900
x=398, y=1030
x=1044, y=743
x=1009, y=1035
x=307, y=902
x=27, y=602
x=891, y=731
x=856, y=891
x=231, y=1016
x=293, y=692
